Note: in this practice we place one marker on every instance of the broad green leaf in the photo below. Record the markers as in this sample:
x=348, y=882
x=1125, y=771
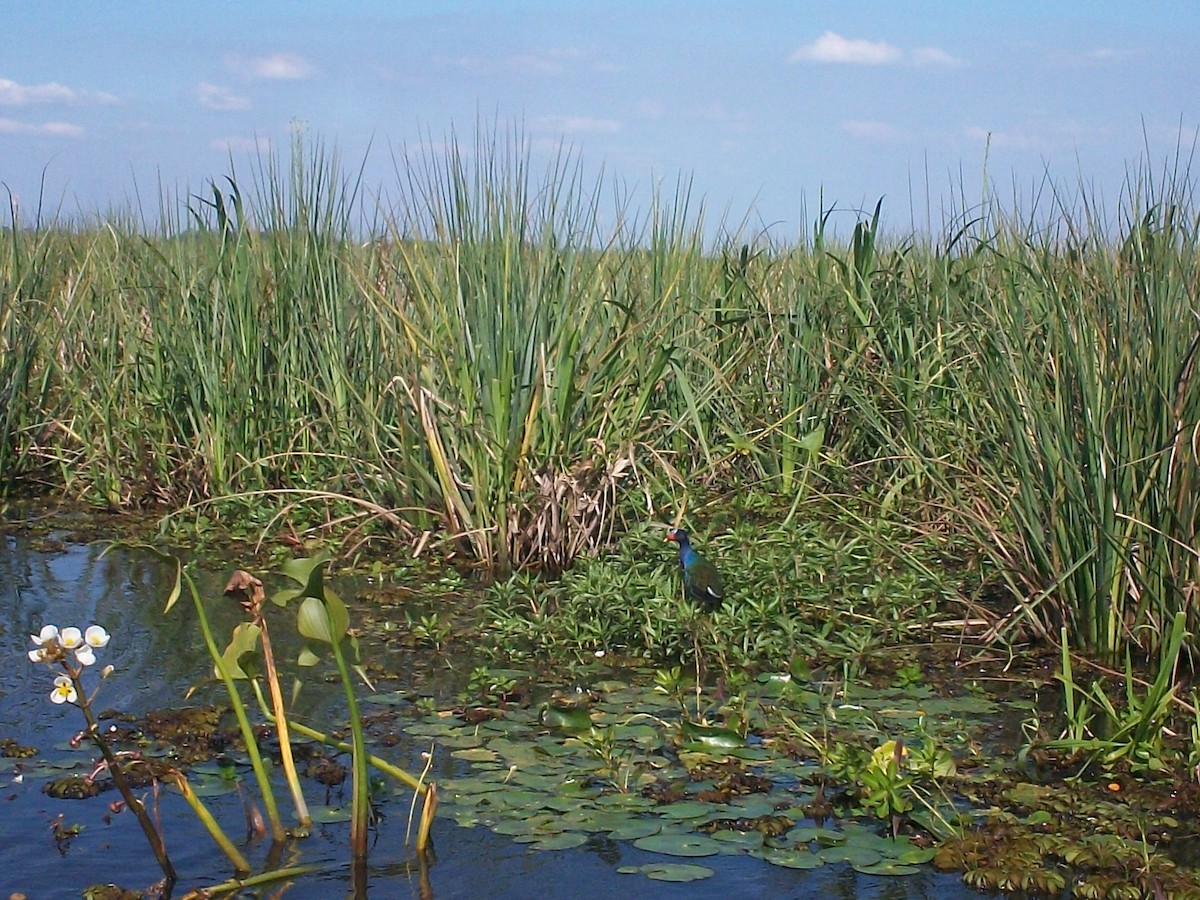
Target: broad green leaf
x=241, y=657
x=312, y=621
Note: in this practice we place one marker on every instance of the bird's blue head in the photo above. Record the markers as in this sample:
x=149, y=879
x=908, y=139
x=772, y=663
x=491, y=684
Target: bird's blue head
x=679, y=536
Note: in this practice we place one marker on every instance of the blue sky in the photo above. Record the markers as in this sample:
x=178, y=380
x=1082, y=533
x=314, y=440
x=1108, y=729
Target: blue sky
x=764, y=105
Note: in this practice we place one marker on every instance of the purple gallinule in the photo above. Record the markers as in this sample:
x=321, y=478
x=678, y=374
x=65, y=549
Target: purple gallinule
x=701, y=580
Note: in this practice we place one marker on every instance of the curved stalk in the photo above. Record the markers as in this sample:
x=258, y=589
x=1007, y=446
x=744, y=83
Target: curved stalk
x=278, y=832
x=211, y=825
x=281, y=728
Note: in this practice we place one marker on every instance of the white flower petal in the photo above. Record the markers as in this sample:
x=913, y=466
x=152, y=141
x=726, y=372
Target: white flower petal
x=38, y=655
x=64, y=690
x=71, y=638
x=96, y=636
x=84, y=655
x=48, y=633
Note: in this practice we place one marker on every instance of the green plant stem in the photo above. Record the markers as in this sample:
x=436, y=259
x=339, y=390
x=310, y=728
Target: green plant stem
x=360, y=809
x=213, y=827
x=278, y=832
x=238, y=884
x=135, y=805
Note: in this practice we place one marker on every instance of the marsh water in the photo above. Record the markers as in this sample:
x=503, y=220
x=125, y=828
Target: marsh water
x=157, y=658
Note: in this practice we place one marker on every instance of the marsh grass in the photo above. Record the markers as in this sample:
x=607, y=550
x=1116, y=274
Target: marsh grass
x=500, y=361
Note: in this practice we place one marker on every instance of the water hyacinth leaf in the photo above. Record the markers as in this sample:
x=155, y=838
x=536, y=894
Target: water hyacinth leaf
x=673, y=844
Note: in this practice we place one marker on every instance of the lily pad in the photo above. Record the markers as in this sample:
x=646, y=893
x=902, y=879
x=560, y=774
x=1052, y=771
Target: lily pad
x=674, y=872
x=567, y=840
x=804, y=834
x=674, y=844
x=634, y=829
x=791, y=859
x=687, y=809
x=475, y=754
x=855, y=855
x=887, y=867
x=327, y=814
x=747, y=839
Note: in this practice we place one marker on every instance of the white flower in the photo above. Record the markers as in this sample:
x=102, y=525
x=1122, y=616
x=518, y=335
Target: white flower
x=64, y=690
x=85, y=655
x=96, y=636
x=46, y=640
x=71, y=638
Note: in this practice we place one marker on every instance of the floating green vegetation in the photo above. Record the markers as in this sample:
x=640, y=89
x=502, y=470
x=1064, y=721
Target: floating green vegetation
x=617, y=760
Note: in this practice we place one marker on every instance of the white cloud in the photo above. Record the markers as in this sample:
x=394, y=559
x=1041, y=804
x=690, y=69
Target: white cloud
x=277, y=66
x=216, y=97
x=14, y=94
x=577, y=124
x=52, y=129
x=934, y=56
x=831, y=47
x=873, y=131
x=236, y=144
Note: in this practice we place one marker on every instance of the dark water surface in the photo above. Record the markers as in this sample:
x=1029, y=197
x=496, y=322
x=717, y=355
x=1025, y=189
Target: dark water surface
x=157, y=658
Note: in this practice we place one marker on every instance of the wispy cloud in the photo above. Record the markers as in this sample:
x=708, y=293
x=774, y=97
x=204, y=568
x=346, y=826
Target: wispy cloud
x=238, y=144
x=14, y=94
x=276, y=66
x=50, y=129
x=935, y=56
x=577, y=125
x=874, y=131
x=831, y=47
x=219, y=98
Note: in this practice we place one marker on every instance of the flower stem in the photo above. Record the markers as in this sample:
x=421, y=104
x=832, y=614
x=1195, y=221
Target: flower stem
x=135, y=805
